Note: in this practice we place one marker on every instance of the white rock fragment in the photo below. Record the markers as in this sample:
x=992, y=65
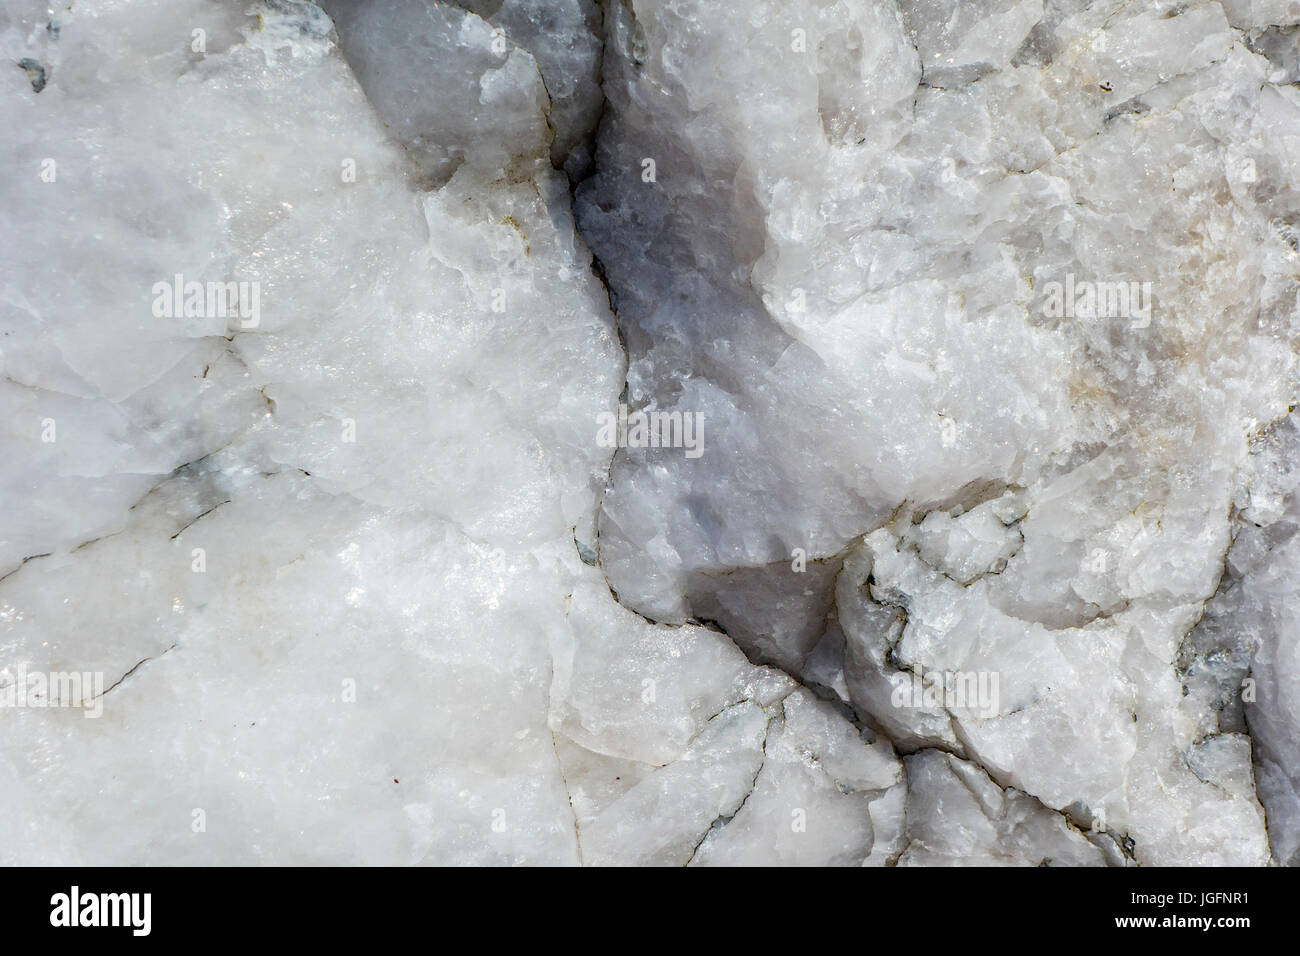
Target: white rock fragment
x=956, y=816
x=958, y=42
x=565, y=37
x=332, y=548
x=1252, y=14
x=869, y=304
x=450, y=88
x=811, y=801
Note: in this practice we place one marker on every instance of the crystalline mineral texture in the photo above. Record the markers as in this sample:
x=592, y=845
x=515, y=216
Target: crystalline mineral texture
x=948, y=351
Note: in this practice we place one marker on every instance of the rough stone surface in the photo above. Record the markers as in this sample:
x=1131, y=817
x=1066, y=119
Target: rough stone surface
x=984, y=317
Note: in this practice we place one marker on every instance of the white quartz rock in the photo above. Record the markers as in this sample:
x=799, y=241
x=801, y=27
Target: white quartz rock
x=1280, y=46
x=1252, y=14
x=872, y=628
x=1242, y=661
x=565, y=38
x=643, y=692
x=362, y=555
x=956, y=816
x=958, y=42
x=941, y=271
x=870, y=320
x=1091, y=718
x=965, y=546
x=709, y=782
x=812, y=798
x=320, y=561
x=773, y=615
x=451, y=88
x=326, y=563
x=675, y=749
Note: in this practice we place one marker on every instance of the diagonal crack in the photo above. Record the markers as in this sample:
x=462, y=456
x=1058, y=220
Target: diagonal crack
x=135, y=667
x=720, y=821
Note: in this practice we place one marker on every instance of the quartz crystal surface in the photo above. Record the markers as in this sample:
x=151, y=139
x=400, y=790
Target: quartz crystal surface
x=650, y=432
